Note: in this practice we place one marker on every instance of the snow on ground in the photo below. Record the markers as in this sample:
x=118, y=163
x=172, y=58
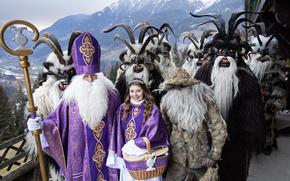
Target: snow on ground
x=275, y=167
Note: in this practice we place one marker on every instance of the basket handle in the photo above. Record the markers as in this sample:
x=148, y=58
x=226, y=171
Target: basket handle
x=148, y=145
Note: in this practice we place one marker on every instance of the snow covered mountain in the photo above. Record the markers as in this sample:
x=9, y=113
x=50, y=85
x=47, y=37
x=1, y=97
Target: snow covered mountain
x=174, y=12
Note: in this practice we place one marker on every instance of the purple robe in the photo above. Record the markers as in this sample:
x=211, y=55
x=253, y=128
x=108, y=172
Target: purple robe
x=135, y=128
x=79, y=151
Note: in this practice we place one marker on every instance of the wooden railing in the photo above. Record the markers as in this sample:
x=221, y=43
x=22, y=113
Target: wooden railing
x=14, y=161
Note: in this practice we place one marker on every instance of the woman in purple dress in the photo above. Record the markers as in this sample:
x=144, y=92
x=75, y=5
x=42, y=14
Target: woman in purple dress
x=136, y=118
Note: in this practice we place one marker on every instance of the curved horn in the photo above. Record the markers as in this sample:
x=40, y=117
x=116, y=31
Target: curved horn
x=118, y=37
x=256, y=32
x=191, y=37
x=219, y=27
x=127, y=28
x=204, y=36
x=241, y=21
x=142, y=24
x=54, y=40
x=144, y=30
x=235, y=16
x=52, y=46
x=73, y=36
x=146, y=43
x=219, y=21
x=166, y=25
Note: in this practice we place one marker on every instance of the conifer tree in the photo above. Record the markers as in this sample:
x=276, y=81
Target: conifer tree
x=19, y=110
x=7, y=119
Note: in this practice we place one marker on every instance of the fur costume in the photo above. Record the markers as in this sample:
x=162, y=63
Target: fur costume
x=192, y=119
x=195, y=52
x=265, y=65
x=57, y=72
x=137, y=61
x=237, y=92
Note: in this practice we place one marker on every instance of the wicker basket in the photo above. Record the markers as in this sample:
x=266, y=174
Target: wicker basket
x=138, y=166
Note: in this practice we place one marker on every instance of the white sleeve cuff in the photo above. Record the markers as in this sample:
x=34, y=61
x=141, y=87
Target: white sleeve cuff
x=113, y=161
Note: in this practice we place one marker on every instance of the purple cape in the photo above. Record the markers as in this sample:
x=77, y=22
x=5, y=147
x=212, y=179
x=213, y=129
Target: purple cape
x=80, y=151
x=124, y=130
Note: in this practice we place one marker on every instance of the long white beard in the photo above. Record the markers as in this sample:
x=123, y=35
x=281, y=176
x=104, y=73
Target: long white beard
x=130, y=75
x=187, y=107
x=91, y=97
x=259, y=68
x=224, y=84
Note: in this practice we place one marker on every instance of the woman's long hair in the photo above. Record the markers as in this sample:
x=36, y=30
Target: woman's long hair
x=147, y=104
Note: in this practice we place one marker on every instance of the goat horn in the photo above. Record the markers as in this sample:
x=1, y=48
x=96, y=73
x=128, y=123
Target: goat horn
x=205, y=35
x=142, y=24
x=191, y=37
x=166, y=25
x=144, y=30
x=54, y=48
x=256, y=31
x=54, y=40
x=146, y=43
x=118, y=37
x=126, y=27
x=216, y=23
x=73, y=36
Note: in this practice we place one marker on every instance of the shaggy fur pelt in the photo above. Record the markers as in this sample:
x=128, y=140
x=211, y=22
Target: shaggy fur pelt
x=259, y=68
x=245, y=123
x=245, y=117
x=187, y=100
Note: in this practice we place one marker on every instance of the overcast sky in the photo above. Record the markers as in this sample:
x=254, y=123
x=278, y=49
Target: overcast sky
x=44, y=13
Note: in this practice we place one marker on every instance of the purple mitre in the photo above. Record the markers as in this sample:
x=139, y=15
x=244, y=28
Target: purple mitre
x=86, y=53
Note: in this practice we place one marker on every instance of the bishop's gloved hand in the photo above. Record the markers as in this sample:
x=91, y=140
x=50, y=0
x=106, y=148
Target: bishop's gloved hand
x=207, y=162
x=34, y=124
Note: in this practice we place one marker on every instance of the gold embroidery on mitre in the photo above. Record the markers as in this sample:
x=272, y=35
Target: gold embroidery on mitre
x=87, y=49
x=130, y=132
